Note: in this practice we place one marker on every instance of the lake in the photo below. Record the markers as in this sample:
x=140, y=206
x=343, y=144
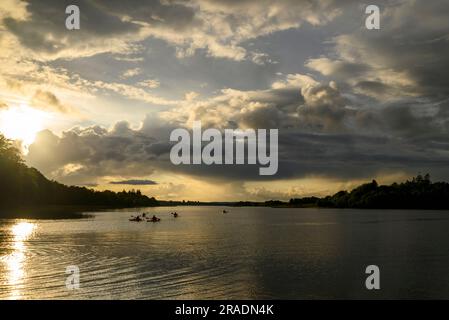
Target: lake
x=248, y=253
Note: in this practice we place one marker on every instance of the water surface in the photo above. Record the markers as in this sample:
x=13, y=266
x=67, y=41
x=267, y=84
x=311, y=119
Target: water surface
x=261, y=253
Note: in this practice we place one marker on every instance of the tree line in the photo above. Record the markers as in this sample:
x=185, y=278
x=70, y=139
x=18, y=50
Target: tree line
x=417, y=193
x=22, y=186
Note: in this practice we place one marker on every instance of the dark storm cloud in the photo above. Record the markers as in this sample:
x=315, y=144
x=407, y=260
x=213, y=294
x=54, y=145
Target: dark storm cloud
x=88, y=185
x=300, y=154
x=381, y=104
x=45, y=29
x=175, y=15
x=219, y=27
x=135, y=182
x=97, y=152
x=374, y=88
x=321, y=137
x=409, y=55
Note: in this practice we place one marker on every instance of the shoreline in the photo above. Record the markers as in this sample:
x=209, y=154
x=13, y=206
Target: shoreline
x=48, y=212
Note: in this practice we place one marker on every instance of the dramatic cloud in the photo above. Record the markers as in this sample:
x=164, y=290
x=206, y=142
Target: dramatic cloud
x=220, y=27
x=135, y=182
x=43, y=30
x=322, y=133
x=408, y=57
x=298, y=101
x=82, y=154
x=350, y=103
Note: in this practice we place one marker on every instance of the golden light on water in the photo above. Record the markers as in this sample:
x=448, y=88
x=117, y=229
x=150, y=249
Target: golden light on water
x=20, y=232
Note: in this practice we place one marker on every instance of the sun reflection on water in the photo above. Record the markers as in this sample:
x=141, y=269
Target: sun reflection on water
x=20, y=232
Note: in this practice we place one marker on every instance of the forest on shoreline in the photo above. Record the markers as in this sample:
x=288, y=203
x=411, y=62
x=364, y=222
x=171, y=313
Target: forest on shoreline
x=418, y=193
x=25, y=187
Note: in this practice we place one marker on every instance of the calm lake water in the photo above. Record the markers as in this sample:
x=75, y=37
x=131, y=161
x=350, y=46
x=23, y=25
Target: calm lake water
x=261, y=253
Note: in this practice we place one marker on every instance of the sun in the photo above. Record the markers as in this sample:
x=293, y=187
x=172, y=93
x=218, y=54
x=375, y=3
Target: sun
x=22, y=123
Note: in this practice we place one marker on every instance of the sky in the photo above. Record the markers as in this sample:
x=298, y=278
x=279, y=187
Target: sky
x=95, y=107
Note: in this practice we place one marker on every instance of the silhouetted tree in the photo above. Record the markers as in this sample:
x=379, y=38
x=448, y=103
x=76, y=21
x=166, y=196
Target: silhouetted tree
x=24, y=186
x=419, y=193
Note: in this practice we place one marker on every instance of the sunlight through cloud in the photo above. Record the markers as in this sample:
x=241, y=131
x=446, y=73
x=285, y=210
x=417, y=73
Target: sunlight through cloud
x=22, y=123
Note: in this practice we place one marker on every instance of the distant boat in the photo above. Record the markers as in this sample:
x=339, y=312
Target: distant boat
x=224, y=211
x=153, y=219
x=175, y=214
x=136, y=219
